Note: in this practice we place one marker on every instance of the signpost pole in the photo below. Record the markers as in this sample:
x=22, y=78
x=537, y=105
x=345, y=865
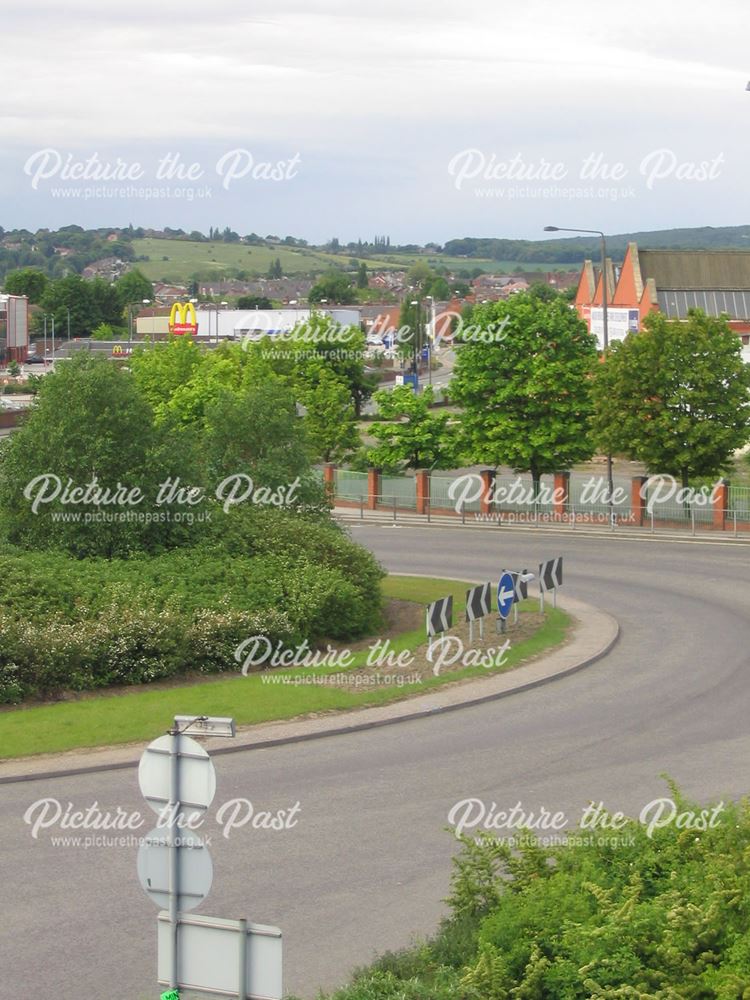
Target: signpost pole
x=174, y=854
x=242, y=990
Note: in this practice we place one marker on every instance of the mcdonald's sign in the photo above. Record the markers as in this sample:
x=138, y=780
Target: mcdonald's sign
x=182, y=319
x=118, y=351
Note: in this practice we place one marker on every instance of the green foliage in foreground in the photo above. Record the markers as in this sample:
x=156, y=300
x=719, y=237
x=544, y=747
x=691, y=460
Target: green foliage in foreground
x=664, y=917
x=70, y=624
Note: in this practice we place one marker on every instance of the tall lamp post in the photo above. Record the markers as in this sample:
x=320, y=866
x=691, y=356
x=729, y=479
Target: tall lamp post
x=605, y=329
x=430, y=338
x=139, y=302
x=416, y=345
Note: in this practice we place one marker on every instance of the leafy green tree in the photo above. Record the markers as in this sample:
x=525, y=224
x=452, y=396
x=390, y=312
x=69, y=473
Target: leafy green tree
x=525, y=387
x=414, y=437
x=275, y=269
x=256, y=432
x=163, y=368
x=675, y=396
x=439, y=289
x=419, y=276
x=254, y=302
x=329, y=419
x=542, y=291
x=342, y=349
x=14, y=368
x=89, y=303
x=220, y=371
x=362, y=275
x=133, y=287
x=29, y=281
x=335, y=287
x=120, y=450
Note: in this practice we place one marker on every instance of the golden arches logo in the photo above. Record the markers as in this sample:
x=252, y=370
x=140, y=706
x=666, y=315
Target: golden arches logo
x=182, y=319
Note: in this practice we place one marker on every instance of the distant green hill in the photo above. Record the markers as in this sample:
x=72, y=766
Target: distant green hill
x=180, y=257
x=575, y=249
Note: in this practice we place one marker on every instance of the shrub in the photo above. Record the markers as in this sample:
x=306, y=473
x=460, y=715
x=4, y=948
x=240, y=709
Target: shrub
x=606, y=917
x=77, y=625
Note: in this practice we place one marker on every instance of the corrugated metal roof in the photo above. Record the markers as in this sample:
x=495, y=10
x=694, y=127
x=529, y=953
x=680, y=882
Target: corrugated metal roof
x=675, y=302
x=697, y=269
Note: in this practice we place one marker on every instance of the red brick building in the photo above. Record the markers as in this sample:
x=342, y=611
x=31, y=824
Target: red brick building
x=667, y=281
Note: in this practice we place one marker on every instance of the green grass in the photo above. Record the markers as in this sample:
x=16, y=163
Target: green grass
x=140, y=715
x=222, y=260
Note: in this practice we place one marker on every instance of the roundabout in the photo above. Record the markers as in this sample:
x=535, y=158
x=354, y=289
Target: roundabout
x=367, y=864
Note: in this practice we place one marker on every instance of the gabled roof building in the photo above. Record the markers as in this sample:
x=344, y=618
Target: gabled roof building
x=667, y=281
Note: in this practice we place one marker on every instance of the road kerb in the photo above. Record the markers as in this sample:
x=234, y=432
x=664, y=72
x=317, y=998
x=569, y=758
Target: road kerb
x=596, y=632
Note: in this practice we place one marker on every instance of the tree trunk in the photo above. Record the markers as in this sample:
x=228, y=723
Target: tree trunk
x=536, y=480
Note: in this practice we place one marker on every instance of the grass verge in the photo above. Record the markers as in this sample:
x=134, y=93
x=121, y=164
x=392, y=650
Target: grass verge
x=141, y=714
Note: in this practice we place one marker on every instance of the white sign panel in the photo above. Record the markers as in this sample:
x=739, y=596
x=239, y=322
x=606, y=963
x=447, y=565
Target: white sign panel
x=620, y=322
x=210, y=950
x=196, y=868
x=197, y=776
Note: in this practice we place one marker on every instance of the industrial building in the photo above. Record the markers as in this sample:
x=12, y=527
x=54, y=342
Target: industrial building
x=14, y=328
x=671, y=282
x=215, y=323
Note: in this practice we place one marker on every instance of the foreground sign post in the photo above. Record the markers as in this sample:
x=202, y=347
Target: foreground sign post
x=178, y=780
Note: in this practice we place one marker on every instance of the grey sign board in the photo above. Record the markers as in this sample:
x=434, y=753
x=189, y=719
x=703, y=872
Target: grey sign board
x=224, y=958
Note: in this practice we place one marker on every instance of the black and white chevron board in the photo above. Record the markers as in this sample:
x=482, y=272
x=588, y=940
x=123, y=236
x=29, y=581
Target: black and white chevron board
x=478, y=604
x=439, y=619
x=520, y=588
x=550, y=578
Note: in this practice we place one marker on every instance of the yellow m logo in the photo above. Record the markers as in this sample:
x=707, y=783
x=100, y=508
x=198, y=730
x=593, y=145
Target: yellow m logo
x=182, y=318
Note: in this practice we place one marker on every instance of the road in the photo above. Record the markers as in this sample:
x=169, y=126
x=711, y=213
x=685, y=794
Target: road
x=367, y=865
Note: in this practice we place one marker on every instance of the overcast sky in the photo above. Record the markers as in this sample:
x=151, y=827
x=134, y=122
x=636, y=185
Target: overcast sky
x=384, y=118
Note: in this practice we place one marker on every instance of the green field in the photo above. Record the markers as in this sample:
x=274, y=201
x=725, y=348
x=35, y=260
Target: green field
x=109, y=719
x=180, y=261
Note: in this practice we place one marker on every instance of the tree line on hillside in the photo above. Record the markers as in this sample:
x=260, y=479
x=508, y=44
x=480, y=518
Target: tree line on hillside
x=81, y=306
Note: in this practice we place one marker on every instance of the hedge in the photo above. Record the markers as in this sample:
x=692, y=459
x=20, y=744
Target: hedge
x=74, y=625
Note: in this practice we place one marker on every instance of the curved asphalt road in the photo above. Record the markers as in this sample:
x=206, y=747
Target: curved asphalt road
x=368, y=862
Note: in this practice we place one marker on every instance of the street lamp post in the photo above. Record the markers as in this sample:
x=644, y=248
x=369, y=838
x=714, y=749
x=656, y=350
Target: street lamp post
x=430, y=338
x=605, y=328
x=416, y=345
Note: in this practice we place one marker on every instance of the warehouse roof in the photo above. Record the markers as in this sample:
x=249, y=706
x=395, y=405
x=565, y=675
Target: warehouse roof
x=709, y=270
